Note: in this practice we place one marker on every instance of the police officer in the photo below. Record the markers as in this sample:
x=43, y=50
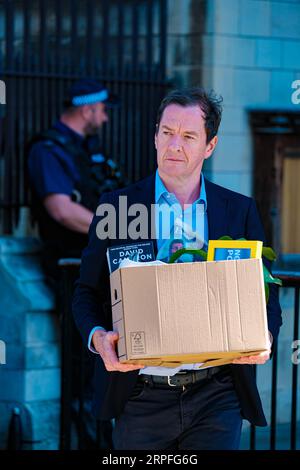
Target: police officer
x=68, y=172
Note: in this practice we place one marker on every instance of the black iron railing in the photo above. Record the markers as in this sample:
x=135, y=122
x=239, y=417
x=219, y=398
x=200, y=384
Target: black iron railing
x=290, y=280
x=78, y=427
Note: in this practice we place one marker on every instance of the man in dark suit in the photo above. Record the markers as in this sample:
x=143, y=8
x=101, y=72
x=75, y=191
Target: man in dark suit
x=186, y=408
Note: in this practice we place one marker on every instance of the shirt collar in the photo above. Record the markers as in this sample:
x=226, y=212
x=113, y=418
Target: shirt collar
x=161, y=190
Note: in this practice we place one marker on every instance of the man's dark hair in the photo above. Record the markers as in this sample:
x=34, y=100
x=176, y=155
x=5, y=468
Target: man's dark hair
x=209, y=102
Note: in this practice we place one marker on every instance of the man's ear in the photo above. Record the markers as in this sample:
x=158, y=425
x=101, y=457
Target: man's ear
x=211, y=146
x=86, y=112
x=155, y=139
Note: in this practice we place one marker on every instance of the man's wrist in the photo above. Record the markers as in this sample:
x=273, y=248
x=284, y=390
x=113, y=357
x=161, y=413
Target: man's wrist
x=91, y=335
x=99, y=333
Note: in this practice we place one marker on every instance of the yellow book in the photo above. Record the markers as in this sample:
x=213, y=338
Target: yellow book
x=223, y=250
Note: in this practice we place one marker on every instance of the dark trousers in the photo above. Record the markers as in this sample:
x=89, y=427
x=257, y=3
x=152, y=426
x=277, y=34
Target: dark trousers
x=204, y=416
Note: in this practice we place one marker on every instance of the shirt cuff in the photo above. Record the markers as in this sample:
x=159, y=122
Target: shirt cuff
x=93, y=350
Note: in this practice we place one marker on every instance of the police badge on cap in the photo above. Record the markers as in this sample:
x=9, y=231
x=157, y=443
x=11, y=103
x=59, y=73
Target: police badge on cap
x=86, y=91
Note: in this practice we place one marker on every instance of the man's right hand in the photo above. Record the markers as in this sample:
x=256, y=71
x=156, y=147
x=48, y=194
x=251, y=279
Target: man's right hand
x=105, y=344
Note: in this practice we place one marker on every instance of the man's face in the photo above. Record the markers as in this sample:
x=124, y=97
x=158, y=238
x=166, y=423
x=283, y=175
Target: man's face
x=95, y=116
x=176, y=246
x=181, y=141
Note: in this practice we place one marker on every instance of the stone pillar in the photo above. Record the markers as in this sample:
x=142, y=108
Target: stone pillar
x=185, y=31
x=29, y=335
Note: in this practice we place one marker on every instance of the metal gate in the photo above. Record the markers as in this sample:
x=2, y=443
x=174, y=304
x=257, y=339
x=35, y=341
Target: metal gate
x=47, y=44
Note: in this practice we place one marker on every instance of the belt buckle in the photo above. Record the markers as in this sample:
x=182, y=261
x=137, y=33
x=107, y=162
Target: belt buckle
x=169, y=381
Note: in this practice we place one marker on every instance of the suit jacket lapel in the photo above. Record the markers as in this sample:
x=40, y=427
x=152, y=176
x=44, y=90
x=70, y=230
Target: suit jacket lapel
x=217, y=211
x=145, y=194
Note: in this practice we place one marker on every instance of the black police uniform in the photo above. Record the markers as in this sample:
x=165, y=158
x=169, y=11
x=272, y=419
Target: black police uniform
x=61, y=161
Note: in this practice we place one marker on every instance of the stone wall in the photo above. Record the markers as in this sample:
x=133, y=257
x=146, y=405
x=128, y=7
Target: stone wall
x=248, y=51
x=185, y=30
x=30, y=377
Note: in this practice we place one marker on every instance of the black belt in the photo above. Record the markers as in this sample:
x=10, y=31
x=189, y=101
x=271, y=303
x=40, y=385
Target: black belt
x=182, y=378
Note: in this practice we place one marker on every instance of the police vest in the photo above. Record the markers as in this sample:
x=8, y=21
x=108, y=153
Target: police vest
x=97, y=173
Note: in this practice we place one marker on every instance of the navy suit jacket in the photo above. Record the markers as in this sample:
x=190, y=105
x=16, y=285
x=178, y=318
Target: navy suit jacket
x=228, y=213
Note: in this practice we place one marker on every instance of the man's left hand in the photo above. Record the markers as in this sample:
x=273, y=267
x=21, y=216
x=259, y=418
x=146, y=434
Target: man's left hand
x=260, y=358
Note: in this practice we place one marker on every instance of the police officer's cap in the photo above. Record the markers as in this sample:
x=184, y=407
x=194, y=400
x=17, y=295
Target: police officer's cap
x=87, y=91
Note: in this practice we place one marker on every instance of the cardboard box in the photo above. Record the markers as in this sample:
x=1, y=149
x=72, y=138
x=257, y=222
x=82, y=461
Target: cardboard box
x=189, y=312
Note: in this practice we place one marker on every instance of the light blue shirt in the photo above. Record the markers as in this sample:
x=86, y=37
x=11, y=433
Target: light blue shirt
x=173, y=222
x=189, y=225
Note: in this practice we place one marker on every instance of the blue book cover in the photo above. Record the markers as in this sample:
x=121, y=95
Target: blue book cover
x=232, y=254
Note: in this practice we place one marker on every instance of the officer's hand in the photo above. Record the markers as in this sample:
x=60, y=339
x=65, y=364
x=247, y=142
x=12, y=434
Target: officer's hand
x=260, y=358
x=105, y=344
